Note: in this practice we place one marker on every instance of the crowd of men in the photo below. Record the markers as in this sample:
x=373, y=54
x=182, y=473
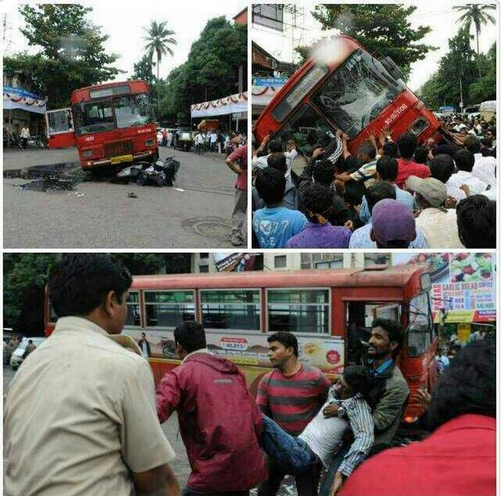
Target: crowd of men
x=217, y=141
x=211, y=140
x=388, y=194
x=98, y=427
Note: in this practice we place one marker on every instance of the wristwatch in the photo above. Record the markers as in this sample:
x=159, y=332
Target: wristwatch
x=341, y=412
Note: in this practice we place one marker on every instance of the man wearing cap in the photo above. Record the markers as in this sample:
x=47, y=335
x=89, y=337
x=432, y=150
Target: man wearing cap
x=393, y=224
x=361, y=237
x=438, y=224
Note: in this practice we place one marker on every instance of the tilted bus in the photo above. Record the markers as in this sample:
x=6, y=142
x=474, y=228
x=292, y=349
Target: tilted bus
x=329, y=311
x=344, y=87
x=110, y=124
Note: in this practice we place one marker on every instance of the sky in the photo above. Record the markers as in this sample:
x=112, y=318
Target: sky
x=124, y=24
x=438, y=15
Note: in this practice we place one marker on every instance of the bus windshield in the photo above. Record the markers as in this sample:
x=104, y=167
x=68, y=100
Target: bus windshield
x=108, y=114
x=307, y=128
x=357, y=92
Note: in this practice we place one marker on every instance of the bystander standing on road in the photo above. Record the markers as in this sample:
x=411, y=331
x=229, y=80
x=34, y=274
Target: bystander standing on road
x=237, y=162
x=25, y=136
x=96, y=432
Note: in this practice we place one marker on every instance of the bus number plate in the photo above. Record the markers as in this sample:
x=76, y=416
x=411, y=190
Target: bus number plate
x=121, y=158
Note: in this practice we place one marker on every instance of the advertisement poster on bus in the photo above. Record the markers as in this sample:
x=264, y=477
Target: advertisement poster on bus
x=463, y=285
x=326, y=353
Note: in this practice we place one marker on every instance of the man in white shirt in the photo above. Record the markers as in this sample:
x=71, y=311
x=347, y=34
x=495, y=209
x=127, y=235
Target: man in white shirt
x=25, y=135
x=213, y=141
x=80, y=415
x=275, y=146
x=484, y=168
x=465, y=161
x=438, y=224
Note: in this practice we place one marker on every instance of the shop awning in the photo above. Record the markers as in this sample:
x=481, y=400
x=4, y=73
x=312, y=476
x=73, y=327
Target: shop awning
x=223, y=106
x=18, y=99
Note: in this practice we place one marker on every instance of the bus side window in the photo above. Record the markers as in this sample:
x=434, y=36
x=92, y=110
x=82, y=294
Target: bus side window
x=134, y=309
x=231, y=309
x=299, y=310
x=169, y=308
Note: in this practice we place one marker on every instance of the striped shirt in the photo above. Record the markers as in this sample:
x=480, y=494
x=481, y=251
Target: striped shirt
x=293, y=401
x=365, y=173
x=324, y=436
x=362, y=425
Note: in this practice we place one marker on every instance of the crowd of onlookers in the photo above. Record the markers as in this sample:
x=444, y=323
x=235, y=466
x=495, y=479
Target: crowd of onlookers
x=205, y=140
x=389, y=193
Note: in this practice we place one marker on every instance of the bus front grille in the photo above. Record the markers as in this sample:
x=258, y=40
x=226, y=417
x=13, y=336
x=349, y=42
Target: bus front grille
x=118, y=148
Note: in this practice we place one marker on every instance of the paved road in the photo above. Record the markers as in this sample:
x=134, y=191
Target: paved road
x=97, y=214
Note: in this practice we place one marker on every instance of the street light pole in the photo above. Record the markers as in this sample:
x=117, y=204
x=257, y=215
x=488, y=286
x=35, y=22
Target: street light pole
x=461, y=104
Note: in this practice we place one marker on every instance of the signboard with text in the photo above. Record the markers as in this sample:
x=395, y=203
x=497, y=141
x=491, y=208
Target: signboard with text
x=463, y=285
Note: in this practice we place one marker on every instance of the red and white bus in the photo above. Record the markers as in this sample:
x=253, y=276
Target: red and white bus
x=110, y=124
x=344, y=87
x=328, y=311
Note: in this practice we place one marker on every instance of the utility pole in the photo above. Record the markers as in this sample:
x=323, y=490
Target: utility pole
x=461, y=103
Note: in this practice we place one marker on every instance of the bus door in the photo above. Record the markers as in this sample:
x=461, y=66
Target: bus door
x=60, y=129
x=359, y=317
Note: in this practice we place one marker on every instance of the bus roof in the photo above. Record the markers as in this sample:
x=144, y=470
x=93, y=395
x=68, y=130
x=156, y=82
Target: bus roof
x=83, y=94
x=373, y=277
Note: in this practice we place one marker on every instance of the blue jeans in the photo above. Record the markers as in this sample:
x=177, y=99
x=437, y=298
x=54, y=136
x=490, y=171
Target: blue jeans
x=292, y=455
x=328, y=478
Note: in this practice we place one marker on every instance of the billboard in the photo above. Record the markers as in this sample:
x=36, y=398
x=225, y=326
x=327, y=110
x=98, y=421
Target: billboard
x=463, y=284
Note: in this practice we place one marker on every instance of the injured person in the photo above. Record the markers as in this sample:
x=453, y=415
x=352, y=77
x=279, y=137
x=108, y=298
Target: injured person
x=322, y=438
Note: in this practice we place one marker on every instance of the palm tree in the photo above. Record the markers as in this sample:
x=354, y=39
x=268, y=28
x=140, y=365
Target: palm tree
x=158, y=42
x=477, y=15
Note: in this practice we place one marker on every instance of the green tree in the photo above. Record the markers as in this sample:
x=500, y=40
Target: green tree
x=71, y=51
x=484, y=88
x=144, y=70
x=476, y=15
x=159, y=40
x=456, y=71
x=211, y=70
x=384, y=30
x=141, y=263
x=25, y=276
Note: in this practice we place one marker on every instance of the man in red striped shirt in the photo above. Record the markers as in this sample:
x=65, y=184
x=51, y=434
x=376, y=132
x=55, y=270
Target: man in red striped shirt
x=291, y=395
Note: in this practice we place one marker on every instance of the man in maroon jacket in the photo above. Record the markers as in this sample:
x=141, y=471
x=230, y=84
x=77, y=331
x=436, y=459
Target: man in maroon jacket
x=219, y=420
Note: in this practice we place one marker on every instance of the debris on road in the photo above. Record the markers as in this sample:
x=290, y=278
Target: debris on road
x=161, y=173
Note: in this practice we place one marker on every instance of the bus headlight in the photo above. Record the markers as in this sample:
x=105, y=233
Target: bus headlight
x=149, y=142
x=87, y=153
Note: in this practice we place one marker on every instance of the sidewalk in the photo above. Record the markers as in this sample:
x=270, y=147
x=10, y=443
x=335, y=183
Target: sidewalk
x=16, y=158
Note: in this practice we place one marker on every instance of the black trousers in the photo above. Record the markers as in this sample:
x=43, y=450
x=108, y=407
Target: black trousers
x=306, y=483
